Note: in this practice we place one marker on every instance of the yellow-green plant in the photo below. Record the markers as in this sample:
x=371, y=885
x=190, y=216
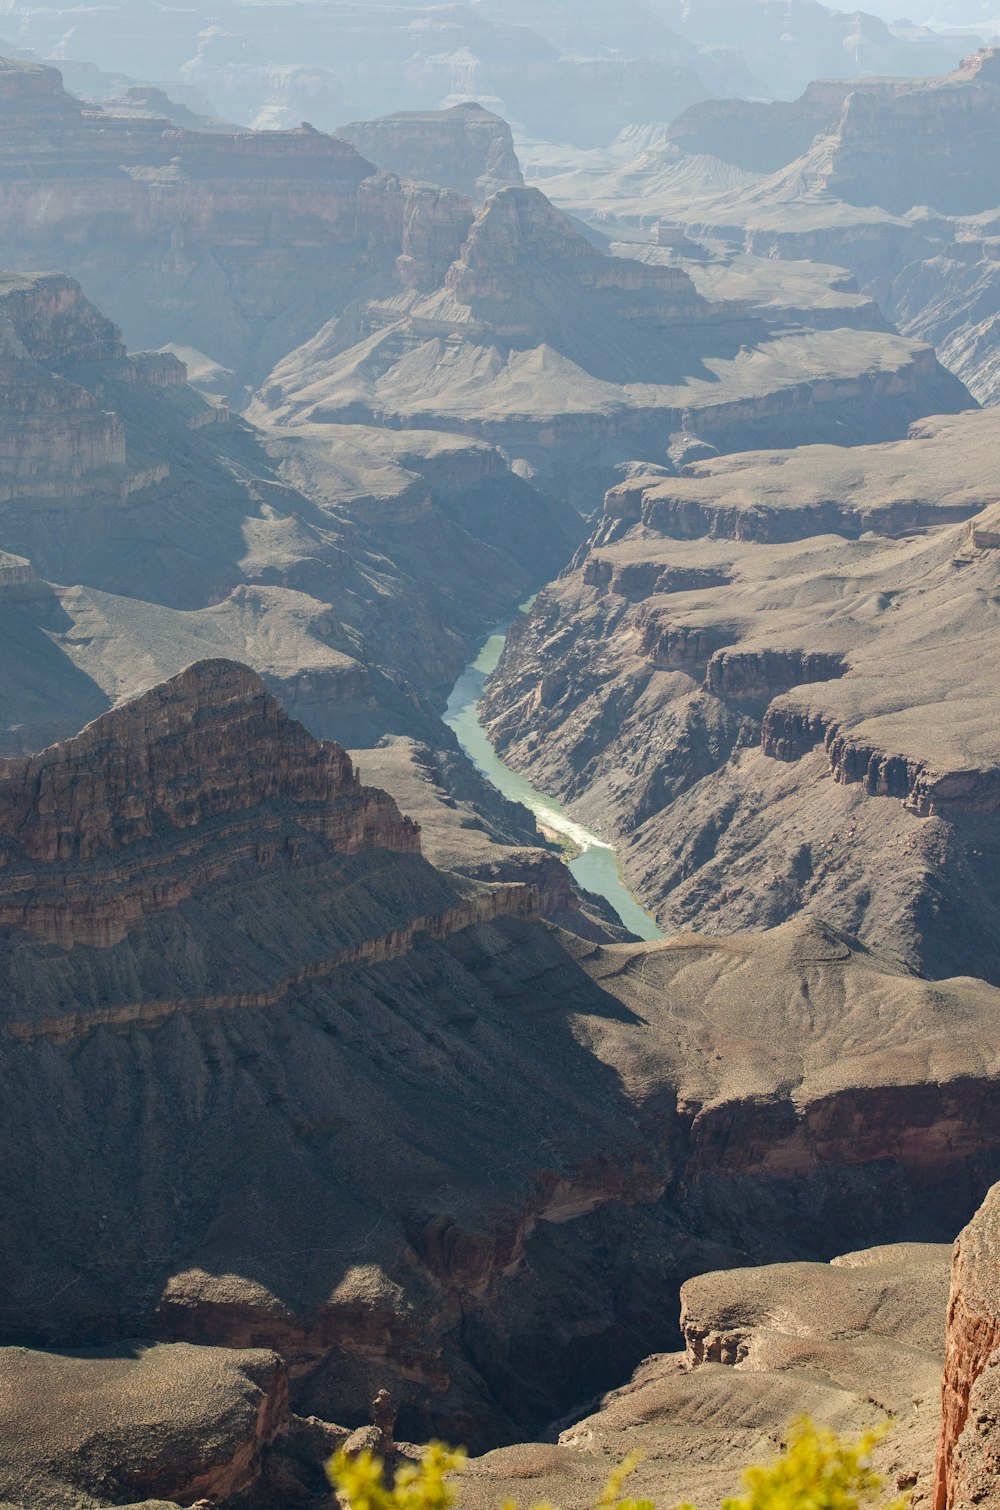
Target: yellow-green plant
x=817, y=1471
x=360, y=1480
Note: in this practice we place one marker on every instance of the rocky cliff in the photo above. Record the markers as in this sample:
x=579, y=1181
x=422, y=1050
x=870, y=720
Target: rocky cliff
x=854, y=1342
x=211, y=747
x=890, y=142
x=750, y=677
x=893, y=179
x=282, y=1070
x=234, y=244
x=967, y=1463
x=466, y=148
x=574, y=361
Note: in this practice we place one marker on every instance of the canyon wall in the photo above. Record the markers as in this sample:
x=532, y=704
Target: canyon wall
x=236, y=245
x=968, y=1467
x=751, y=678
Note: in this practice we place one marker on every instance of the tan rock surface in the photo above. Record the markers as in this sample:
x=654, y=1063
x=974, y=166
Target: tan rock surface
x=574, y=361
x=157, y=1423
x=851, y=1343
x=764, y=723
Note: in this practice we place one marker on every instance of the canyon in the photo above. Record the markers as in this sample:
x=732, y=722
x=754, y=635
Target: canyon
x=574, y=362
x=768, y=675
x=891, y=180
x=320, y=1074
x=285, y=262
x=274, y=975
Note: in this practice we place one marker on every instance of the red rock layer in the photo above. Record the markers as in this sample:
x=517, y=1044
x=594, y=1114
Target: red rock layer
x=973, y=1349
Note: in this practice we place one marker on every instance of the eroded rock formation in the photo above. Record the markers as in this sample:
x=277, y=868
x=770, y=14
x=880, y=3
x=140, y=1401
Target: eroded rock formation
x=968, y=1469
x=465, y=148
x=302, y=998
x=573, y=360
x=236, y=244
x=853, y=1343
x=752, y=677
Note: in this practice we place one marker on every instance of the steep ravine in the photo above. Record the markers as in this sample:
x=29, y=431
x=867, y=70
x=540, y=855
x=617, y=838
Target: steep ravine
x=594, y=864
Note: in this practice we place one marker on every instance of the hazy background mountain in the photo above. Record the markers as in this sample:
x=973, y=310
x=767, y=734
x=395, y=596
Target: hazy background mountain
x=575, y=72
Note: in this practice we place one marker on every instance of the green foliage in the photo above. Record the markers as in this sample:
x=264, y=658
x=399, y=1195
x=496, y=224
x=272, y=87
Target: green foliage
x=817, y=1472
x=360, y=1480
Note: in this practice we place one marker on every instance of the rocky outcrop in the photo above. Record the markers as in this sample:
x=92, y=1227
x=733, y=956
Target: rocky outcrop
x=761, y=713
x=764, y=673
x=788, y=733
x=173, y=1423
x=967, y=1463
x=519, y=240
x=224, y=242
x=465, y=148
x=57, y=441
x=853, y=1343
x=132, y=786
x=574, y=361
x=758, y=136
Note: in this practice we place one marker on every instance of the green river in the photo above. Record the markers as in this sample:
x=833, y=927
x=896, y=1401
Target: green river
x=595, y=864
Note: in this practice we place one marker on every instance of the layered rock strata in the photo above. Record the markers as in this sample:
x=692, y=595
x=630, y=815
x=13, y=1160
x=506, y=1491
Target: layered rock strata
x=235, y=244
x=422, y=542
x=280, y=1085
x=466, y=148
x=574, y=361
x=893, y=179
x=890, y=142
x=111, y=799
x=752, y=677
x=968, y=1469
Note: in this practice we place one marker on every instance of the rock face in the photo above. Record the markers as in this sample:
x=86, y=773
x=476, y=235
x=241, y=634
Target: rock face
x=236, y=244
x=893, y=179
x=751, y=679
x=892, y=143
x=574, y=361
x=967, y=1466
x=465, y=148
x=57, y=440
x=208, y=745
x=851, y=1343
x=144, y=1423
x=757, y=136
x=262, y=1012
